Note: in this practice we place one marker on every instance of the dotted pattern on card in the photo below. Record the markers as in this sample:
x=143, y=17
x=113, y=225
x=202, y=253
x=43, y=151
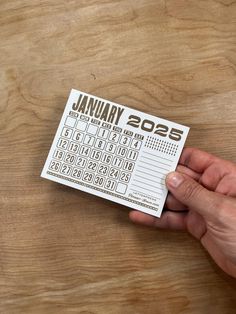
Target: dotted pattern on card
x=161, y=146
x=115, y=152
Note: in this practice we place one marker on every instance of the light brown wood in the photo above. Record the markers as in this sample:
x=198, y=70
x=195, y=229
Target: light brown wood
x=64, y=251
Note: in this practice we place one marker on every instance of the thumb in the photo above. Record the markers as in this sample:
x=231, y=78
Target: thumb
x=192, y=194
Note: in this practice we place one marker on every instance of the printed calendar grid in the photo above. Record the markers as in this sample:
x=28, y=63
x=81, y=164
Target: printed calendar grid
x=91, y=144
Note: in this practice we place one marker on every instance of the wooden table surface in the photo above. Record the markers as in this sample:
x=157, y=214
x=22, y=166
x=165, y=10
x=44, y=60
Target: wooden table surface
x=64, y=251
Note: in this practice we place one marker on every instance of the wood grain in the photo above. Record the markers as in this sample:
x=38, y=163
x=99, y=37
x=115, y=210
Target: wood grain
x=64, y=251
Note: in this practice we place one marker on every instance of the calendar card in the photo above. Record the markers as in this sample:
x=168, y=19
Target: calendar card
x=115, y=152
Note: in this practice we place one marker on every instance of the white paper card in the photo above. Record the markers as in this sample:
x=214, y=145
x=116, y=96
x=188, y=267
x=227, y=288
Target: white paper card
x=115, y=152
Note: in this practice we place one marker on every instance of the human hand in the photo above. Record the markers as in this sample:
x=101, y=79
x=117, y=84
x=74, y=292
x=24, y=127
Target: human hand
x=202, y=200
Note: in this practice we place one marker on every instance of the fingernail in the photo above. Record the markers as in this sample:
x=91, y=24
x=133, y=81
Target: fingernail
x=174, y=179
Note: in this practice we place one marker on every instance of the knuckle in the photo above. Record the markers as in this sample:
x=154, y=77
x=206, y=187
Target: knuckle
x=191, y=191
x=220, y=215
x=221, y=208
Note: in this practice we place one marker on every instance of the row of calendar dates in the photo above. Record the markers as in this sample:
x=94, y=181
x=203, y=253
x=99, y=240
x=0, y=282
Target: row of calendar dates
x=103, y=136
x=92, y=163
x=109, y=182
x=85, y=150
x=75, y=149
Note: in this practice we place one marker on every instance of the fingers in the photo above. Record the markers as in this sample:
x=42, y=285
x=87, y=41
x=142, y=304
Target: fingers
x=173, y=204
x=227, y=185
x=208, y=170
x=192, y=194
x=196, y=159
x=189, y=172
x=168, y=220
x=196, y=224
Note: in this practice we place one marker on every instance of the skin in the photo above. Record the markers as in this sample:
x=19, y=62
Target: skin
x=202, y=201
